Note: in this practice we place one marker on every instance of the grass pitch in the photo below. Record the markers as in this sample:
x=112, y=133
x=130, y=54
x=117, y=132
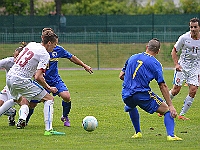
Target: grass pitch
x=99, y=95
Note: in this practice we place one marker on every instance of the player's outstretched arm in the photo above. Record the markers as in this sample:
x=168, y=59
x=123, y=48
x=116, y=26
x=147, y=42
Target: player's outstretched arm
x=77, y=61
x=165, y=92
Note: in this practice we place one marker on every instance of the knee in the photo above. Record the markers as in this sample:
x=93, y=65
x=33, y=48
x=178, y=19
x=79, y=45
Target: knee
x=66, y=98
x=175, y=91
x=192, y=93
x=32, y=105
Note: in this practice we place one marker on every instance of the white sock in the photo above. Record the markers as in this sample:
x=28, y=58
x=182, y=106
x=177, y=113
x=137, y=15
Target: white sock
x=6, y=105
x=187, y=104
x=170, y=93
x=23, y=112
x=48, y=114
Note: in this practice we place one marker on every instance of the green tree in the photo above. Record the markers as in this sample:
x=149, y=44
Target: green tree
x=32, y=7
x=14, y=7
x=190, y=6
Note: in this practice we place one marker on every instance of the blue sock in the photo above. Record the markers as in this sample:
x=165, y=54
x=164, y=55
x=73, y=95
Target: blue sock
x=29, y=115
x=169, y=124
x=66, y=108
x=135, y=118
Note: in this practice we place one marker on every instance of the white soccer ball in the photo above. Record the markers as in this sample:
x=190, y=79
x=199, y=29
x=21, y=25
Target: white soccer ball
x=90, y=123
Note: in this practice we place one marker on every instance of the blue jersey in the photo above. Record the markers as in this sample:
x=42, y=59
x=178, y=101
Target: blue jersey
x=51, y=73
x=140, y=69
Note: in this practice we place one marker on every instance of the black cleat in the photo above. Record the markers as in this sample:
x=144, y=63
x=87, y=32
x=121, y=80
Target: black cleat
x=11, y=119
x=21, y=124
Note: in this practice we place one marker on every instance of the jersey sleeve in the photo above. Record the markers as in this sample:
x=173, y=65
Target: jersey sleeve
x=159, y=73
x=125, y=65
x=179, y=44
x=3, y=63
x=43, y=61
x=64, y=53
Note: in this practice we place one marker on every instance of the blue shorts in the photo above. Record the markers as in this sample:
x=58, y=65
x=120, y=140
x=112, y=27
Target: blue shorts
x=147, y=101
x=59, y=84
x=35, y=101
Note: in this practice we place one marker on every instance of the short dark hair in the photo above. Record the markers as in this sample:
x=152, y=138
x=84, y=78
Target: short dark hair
x=154, y=45
x=195, y=20
x=46, y=29
x=49, y=35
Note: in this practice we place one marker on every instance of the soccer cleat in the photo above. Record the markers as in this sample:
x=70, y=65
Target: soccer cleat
x=66, y=121
x=137, y=135
x=183, y=118
x=52, y=132
x=11, y=119
x=175, y=138
x=21, y=124
x=159, y=115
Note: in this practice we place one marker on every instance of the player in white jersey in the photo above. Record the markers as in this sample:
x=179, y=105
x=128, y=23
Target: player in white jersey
x=5, y=95
x=187, y=67
x=32, y=60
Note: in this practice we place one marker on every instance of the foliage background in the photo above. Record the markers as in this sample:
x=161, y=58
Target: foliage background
x=97, y=7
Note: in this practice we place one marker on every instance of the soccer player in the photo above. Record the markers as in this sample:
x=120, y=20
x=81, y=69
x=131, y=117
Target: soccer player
x=6, y=64
x=187, y=67
x=137, y=73
x=32, y=60
x=53, y=78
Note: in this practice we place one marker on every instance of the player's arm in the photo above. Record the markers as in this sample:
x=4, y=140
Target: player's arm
x=77, y=61
x=175, y=59
x=40, y=79
x=121, y=75
x=165, y=92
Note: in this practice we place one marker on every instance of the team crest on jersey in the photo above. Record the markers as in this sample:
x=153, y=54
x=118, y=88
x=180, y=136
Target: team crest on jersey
x=54, y=54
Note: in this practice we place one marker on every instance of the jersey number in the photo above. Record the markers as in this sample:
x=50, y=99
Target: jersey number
x=139, y=65
x=24, y=61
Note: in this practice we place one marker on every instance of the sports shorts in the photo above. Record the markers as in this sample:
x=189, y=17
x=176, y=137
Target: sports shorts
x=59, y=84
x=147, y=101
x=5, y=94
x=25, y=87
x=191, y=77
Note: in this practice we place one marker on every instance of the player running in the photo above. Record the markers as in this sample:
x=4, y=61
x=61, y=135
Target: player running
x=187, y=66
x=53, y=78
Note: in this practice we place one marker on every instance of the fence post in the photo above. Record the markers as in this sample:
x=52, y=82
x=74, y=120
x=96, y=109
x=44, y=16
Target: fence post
x=97, y=39
x=13, y=26
x=152, y=28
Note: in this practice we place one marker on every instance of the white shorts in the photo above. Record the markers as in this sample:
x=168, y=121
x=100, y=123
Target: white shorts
x=190, y=77
x=5, y=94
x=25, y=87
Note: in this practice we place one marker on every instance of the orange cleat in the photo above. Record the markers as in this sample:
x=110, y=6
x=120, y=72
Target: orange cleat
x=159, y=115
x=183, y=118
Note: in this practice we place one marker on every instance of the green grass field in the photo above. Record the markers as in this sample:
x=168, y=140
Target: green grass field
x=101, y=55
x=99, y=95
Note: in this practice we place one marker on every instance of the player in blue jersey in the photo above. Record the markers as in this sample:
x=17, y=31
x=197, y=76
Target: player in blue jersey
x=137, y=73
x=53, y=78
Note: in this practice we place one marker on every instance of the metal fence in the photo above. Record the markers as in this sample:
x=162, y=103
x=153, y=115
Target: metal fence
x=94, y=37
x=92, y=29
